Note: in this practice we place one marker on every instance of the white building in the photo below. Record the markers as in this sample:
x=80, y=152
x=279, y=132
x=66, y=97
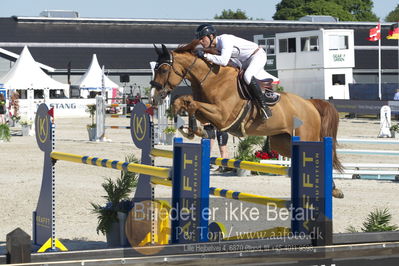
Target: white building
x=317, y=63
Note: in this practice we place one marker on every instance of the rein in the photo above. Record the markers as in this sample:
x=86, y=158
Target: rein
x=183, y=75
x=188, y=70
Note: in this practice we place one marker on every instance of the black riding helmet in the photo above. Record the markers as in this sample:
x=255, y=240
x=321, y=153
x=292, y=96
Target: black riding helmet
x=204, y=30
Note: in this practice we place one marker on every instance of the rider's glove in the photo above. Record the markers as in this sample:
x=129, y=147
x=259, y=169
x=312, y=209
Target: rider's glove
x=200, y=53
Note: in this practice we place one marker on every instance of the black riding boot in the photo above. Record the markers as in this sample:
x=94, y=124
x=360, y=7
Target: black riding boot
x=257, y=93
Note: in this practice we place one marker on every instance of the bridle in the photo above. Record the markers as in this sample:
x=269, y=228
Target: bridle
x=165, y=89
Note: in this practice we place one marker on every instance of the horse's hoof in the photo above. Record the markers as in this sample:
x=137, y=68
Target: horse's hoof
x=337, y=193
x=186, y=135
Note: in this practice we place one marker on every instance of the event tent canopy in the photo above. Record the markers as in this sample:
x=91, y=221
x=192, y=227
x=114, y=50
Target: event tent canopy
x=27, y=74
x=93, y=78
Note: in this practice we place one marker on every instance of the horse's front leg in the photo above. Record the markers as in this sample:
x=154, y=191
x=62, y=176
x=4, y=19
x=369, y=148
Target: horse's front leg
x=204, y=112
x=184, y=104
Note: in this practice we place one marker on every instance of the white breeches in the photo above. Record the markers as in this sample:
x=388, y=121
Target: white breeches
x=254, y=67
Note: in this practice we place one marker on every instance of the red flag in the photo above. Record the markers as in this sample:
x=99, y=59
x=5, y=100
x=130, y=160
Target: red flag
x=375, y=33
x=51, y=112
x=150, y=110
x=393, y=32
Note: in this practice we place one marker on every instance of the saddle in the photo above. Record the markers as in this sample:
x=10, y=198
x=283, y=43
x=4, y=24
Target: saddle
x=265, y=84
x=237, y=127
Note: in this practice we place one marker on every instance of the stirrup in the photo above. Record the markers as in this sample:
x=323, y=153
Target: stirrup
x=271, y=98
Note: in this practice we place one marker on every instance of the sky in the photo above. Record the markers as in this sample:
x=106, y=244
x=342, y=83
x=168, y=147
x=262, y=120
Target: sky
x=158, y=9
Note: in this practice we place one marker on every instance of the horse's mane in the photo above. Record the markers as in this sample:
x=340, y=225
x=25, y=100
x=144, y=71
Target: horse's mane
x=190, y=47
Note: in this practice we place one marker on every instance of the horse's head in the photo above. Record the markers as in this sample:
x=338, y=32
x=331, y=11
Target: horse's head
x=165, y=78
x=171, y=69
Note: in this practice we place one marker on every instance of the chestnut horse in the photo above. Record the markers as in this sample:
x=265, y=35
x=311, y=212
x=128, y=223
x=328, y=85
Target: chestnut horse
x=216, y=100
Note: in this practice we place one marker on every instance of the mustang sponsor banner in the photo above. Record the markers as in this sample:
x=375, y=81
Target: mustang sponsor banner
x=62, y=107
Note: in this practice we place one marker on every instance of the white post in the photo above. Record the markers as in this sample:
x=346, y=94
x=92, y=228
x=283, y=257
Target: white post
x=103, y=83
x=100, y=118
x=32, y=109
x=385, y=122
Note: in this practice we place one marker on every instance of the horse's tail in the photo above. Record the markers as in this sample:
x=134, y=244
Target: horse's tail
x=329, y=126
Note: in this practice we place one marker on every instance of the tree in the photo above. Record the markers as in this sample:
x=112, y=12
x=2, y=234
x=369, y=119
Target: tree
x=345, y=10
x=393, y=16
x=230, y=14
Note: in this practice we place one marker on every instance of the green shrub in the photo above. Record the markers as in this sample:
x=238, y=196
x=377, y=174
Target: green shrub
x=246, y=148
x=376, y=221
x=5, y=132
x=118, y=198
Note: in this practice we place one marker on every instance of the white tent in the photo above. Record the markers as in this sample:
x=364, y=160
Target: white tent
x=94, y=79
x=27, y=74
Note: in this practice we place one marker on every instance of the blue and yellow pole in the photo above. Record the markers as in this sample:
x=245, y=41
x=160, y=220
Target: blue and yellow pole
x=233, y=163
x=231, y=194
x=114, y=164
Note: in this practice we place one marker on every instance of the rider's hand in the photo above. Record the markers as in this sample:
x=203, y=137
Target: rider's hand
x=200, y=53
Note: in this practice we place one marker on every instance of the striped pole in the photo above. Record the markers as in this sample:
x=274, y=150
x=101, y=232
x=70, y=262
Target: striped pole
x=118, y=116
x=162, y=153
x=114, y=164
x=116, y=105
x=231, y=194
x=233, y=163
x=120, y=127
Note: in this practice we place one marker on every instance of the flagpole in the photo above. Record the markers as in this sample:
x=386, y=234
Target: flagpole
x=379, y=69
x=398, y=56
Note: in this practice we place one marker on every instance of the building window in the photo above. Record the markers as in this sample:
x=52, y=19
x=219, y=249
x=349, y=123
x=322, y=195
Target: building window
x=287, y=45
x=38, y=94
x=270, y=46
x=338, y=42
x=23, y=94
x=310, y=43
x=338, y=79
x=57, y=94
x=291, y=45
x=267, y=44
x=75, y=92
x=283, y=45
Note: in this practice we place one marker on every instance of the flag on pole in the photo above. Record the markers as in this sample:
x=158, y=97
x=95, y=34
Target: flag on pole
x=375, y=33
x=393, y=32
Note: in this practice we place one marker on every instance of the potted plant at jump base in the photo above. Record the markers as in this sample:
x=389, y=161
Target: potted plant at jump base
x=112, y=216
x=26, y=126
x=394, y=129
x=91, y=128
x=169, y=134
x=14, y=121
x=246, y=151
x=266, y=153
x=170, y=130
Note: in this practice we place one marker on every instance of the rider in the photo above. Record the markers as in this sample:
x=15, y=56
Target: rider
x=249, y=54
